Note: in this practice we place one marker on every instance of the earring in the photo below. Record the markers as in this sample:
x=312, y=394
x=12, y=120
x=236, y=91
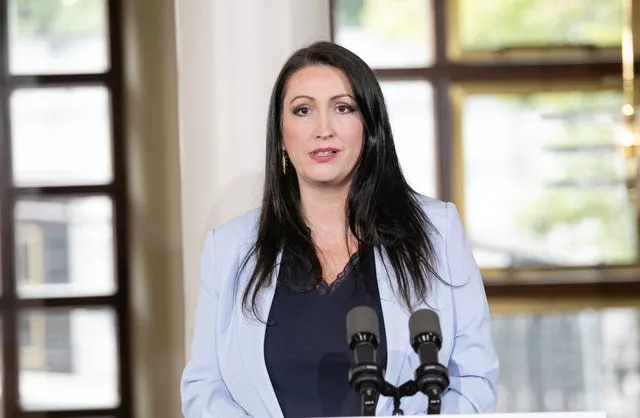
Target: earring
x=284, y=163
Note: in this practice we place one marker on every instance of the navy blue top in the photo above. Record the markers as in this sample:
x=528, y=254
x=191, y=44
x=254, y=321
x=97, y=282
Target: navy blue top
x=306, y=350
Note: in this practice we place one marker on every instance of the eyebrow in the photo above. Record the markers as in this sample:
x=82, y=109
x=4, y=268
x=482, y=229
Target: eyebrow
x=332, y=98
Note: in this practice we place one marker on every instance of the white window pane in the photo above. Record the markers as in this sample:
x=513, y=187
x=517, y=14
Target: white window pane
x=68, y=359
x=57, y=36
x=61, y=136
x=410, y=107
x=64, y=247
x=386, y=33
x=544, y=180
x=586, y=360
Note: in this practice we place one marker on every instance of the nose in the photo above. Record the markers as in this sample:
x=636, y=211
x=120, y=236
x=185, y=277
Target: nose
x=323, y=130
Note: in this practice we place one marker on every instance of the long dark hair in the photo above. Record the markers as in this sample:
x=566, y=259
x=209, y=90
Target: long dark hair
x=382, y=209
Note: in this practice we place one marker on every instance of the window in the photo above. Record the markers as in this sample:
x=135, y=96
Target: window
x=536, y=30
x=63, y=252
x=512, y=109
x=569, y=360
x=548, y=178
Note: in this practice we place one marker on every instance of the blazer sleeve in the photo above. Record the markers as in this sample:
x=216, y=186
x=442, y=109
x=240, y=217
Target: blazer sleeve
x=204, y=393
x=473, y=366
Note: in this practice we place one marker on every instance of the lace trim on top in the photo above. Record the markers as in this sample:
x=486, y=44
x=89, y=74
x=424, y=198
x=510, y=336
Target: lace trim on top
x=324, y=287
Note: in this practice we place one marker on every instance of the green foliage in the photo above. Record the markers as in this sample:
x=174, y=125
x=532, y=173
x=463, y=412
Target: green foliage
x=348, y=12
x=607, y=209
x=591, y=166
x=397, y=19
x=58, y=18
x=572, y=207
x=490, y=24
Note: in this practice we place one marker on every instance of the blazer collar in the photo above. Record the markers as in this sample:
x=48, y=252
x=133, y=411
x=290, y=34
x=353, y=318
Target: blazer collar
x=252, y=335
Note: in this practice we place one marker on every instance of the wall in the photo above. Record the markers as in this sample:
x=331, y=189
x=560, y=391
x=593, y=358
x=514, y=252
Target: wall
x=229, y=53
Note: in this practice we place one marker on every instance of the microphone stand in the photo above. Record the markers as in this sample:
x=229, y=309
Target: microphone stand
x=397, y=393
x=432, y=380
x=367, y=380
x=434, y=406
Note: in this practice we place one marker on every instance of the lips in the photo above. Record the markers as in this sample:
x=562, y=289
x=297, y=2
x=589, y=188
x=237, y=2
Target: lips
x=324, y=151
x=323, y=155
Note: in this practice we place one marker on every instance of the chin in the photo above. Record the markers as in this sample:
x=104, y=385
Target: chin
x=325, y=181
x=323, y=177
x=326, y=178
x=335, y=181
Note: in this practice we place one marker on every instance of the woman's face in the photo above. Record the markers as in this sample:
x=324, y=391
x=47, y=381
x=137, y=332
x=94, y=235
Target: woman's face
x=321, y=126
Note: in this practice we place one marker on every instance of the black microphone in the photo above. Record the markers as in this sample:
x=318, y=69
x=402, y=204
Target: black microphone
x=431, y=377
x=363, y=338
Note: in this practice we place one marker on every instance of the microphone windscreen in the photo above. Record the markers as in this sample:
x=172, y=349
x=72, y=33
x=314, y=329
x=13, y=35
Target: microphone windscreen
x=362, y=319
x=424, y=321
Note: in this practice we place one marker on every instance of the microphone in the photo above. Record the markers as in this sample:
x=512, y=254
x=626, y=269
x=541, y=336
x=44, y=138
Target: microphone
x=363, y=339
x=431, y=377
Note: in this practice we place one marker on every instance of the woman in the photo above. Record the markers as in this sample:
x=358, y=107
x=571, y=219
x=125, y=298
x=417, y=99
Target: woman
x=339, y=227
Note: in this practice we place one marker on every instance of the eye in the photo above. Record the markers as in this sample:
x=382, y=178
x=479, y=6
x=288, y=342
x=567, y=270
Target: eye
x=302, y=111
x=344, y=108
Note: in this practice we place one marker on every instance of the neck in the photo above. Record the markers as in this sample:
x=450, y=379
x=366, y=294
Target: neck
x=324, y=208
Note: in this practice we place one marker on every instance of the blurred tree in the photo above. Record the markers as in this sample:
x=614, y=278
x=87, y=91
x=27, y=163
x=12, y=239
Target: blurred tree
x=587, y=119
x=491, y=24
x=59, y=18
x=401, y=19
x=601, y=209
x=348, y=12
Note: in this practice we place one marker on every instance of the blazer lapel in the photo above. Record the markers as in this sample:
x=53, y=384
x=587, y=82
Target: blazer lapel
x=251, y=334
x=396, y=326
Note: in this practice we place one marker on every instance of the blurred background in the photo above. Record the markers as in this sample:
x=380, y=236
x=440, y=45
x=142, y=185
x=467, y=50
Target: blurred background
x=130, y=127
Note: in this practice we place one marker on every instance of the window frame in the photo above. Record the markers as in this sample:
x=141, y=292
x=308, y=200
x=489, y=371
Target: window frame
x=11, y=305
x=449, y=71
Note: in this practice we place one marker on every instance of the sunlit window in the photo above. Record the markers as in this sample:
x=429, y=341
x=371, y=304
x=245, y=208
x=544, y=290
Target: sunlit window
x=542, y=173
x=63, y=273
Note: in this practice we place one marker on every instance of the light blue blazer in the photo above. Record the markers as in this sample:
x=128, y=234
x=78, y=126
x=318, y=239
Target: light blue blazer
x=226, y=375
